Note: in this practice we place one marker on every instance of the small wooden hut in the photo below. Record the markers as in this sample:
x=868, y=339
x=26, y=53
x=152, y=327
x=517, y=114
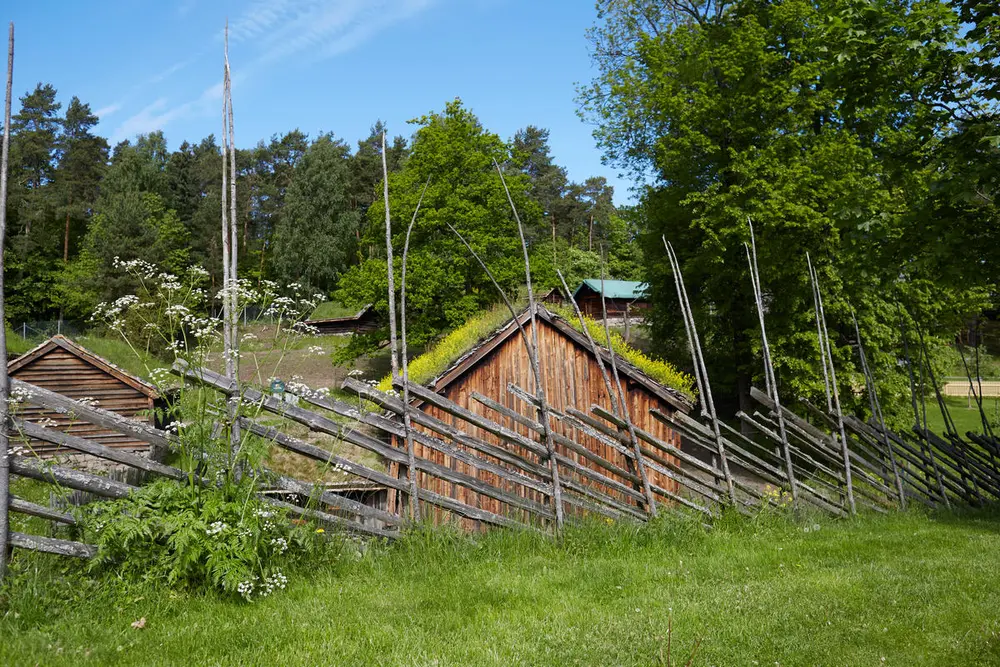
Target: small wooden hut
x=67, y=368
x=572, y=379
x=363, y=321
x=623, y=298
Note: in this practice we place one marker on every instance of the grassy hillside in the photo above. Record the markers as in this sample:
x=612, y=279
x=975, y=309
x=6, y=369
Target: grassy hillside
x=898, y=590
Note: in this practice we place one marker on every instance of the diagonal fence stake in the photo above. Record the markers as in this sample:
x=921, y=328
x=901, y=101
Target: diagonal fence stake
x=4, y=379
x=825, y=345
x=768, y=366
x=701, y=370
x=617, y=411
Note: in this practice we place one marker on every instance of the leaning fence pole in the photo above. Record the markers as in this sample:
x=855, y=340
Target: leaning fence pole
x=4, y=379
x=553, y=471
x=640, y=464
x=769, y=368
x=876, y=408
x=819, y=335
x=390, y=270
x=233, y=359
x=701, y=369
x=411, y=464
x=543, y=408
x=825, y=344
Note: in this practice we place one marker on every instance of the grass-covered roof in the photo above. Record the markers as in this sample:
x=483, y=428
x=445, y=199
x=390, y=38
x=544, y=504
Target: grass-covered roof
x=479, y=328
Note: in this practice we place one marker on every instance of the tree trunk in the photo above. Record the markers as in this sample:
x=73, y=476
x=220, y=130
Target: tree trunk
x=590, y=236
x=66, y=239
x=554, y=262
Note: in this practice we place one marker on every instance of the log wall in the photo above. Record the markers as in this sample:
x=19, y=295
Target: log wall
x=572, y=380
x=64, y=373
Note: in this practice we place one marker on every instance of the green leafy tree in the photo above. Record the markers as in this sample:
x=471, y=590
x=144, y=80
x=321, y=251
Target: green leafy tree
x=453, y=154
x=814, y=120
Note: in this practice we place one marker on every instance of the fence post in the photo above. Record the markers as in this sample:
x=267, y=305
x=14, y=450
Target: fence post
x=4, y=380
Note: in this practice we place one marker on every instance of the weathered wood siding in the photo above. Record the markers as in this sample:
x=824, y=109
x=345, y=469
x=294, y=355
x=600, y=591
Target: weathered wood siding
x=60, y=371
x=572, y=380
x=590, y=304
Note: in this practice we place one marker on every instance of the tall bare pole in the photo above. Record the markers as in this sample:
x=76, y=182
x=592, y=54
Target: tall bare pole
x=4, y=379
x=233, y=360
x=828, y=360
x=876, y=408
x=701, y=370
x=543, y=408
x=772, y=385
x=394, y=360
x=819, y=335
x=411, y=467
x=623, y=401
x=227, y=315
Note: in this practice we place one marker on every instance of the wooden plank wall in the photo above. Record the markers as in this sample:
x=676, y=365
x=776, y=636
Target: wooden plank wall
x=572, y=380
x=67, y=374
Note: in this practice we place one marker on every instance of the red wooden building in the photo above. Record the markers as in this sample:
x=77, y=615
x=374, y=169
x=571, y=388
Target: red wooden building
x=67, y=368
x=572, y=379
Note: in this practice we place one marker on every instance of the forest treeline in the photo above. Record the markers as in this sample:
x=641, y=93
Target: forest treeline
x=309, y=212
x=864, y=133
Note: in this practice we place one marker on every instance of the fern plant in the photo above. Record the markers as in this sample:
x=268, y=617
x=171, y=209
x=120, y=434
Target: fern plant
x=190, y=536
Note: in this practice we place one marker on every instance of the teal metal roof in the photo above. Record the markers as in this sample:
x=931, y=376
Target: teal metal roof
x=615, y=289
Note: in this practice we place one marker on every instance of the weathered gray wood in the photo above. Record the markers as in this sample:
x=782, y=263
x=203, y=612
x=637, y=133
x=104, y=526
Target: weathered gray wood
x=431, y=423
x=322, y=495
x=94, y=415
x=76, y=443
x=411, y=469
x=543, y=407
x=51, y=545
x=32, y=509
x=704, y=385
x=325, y=425
x=333, y=520
x=4, y=379
x=431, y=497
x=561, y=439
x=73, y=479
x=666, y=467
x=771, y=380
x=487, y=425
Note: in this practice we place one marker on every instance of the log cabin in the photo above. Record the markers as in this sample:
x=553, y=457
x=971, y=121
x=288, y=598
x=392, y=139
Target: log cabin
x=364, y=321
x=624, y=298
x=67, y=368
x=572, y=379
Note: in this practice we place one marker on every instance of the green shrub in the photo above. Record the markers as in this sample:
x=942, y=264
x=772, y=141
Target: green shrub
x=198, y=537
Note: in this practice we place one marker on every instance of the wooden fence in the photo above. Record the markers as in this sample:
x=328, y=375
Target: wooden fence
x=889, y=469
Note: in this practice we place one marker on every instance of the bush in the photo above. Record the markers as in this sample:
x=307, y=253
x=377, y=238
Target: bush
x=192, y=536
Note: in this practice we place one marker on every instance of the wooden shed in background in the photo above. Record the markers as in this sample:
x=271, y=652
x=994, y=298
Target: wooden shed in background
x=572, y=379
x=67, y=368
x=363, y=321
x=623, y=298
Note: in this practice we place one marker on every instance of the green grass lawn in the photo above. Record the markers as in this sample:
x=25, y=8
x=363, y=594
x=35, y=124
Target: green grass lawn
x=906, y=589
x=966, y=418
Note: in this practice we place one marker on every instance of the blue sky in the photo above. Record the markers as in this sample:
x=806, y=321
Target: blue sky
x=319, y=65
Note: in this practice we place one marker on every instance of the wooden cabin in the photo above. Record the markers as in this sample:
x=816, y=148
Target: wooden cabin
x=623, y=298
x=363, y=321
x=572, y=379
x=67, y=368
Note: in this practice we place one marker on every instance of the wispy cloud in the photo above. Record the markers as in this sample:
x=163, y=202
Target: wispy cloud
x=159, y=114
x=106, y=111
x=270, y=31
x=168, y=72
x=283, y=28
